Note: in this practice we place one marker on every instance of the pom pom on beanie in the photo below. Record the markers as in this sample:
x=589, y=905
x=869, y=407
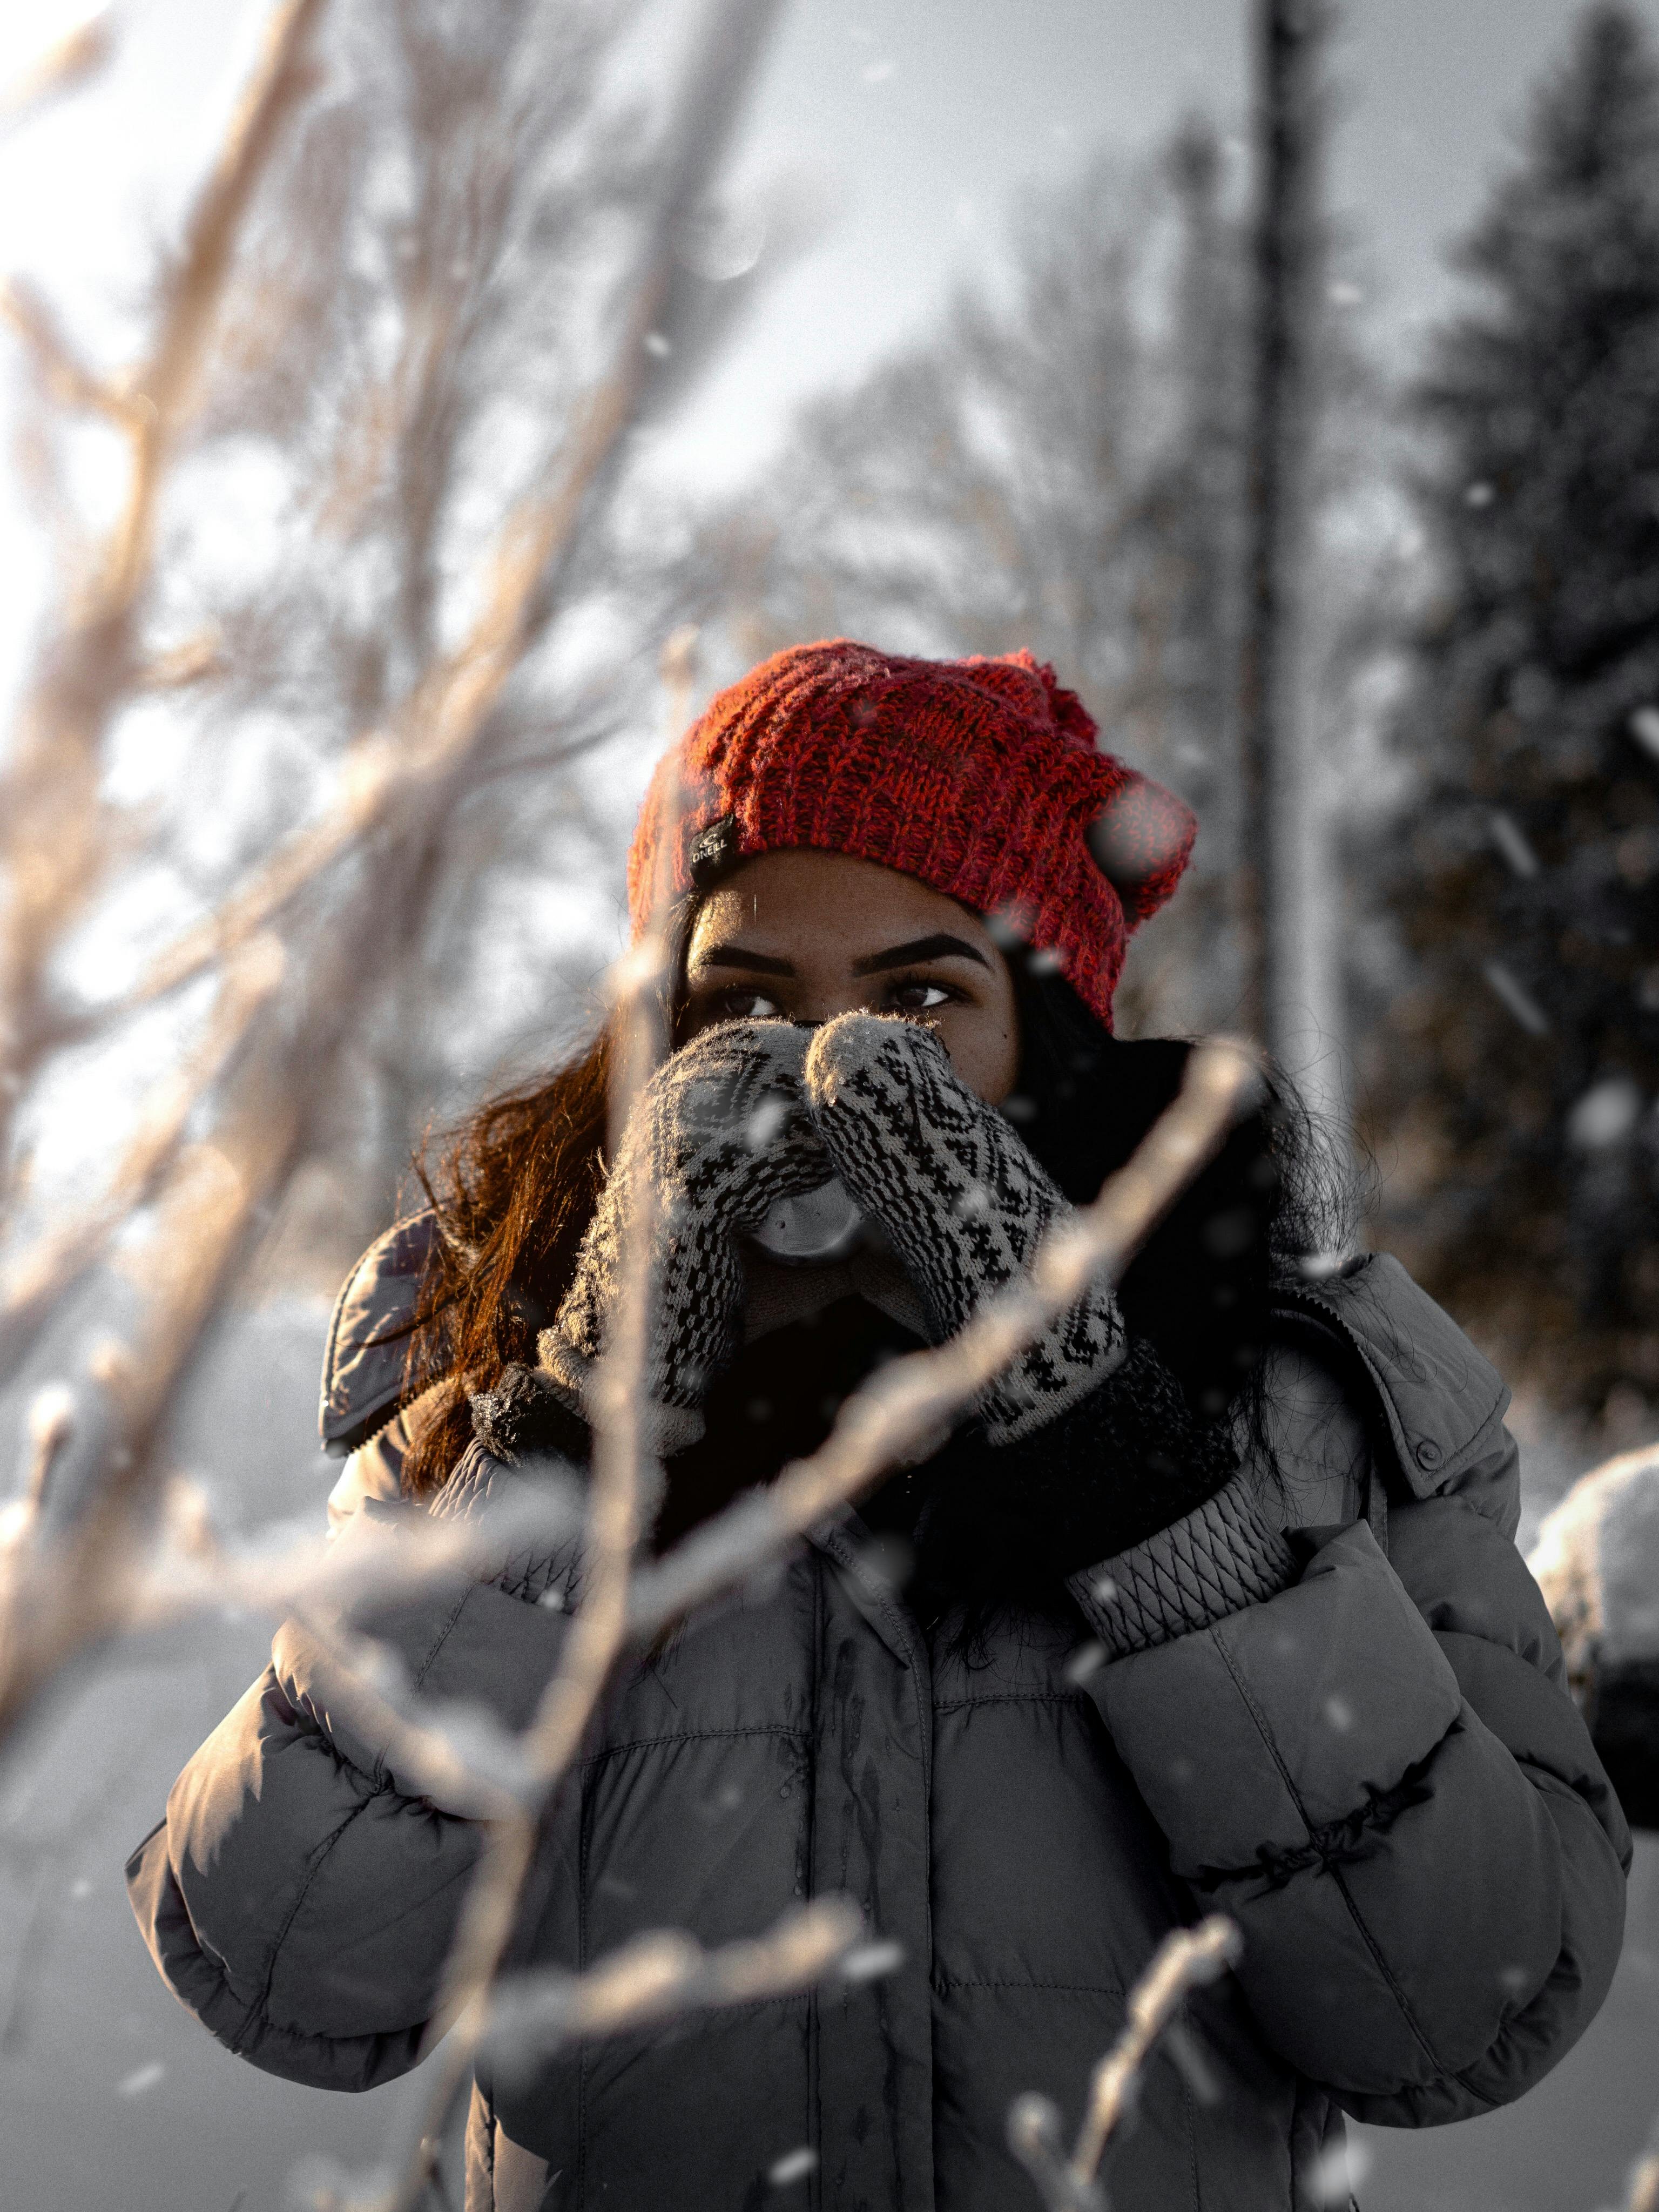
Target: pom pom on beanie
x=982, y=777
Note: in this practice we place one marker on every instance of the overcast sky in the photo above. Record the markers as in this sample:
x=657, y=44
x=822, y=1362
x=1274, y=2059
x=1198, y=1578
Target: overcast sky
x=919, y=123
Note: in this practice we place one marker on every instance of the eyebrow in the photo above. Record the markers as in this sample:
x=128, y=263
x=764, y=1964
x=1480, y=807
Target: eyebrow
x=733, y=956
x=939, y=947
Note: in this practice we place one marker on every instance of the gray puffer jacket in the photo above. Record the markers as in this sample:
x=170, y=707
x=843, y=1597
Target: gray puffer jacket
x=1376, y=1769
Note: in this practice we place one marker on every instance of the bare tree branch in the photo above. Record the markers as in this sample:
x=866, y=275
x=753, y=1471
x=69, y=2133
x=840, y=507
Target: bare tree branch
x=1644, y=2192
x=408, y=770
x=53, y=845
x=65, y=378
x=64, y=67
x=1186, y=1959
x=667, y=1977
x=36, y=1284
x=615, y=1522
x=656, y=1978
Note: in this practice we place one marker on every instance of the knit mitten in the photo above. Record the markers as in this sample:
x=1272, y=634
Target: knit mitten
x=961, y=1200
x=718, y=1136
x=1140, y=1507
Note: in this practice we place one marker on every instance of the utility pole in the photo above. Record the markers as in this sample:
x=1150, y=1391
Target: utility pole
x=1286, y=924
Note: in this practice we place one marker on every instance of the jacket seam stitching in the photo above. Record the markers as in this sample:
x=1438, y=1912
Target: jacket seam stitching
x=1262, y=1729
x=1082, y=1989
x=694, y=1736
x=1387, y=1972
x=380, y=1779
x=1014, y=1697
x=1365, y=1936
x=259, y=2008
x=1464, y=2082
x=1189, y=2100
x=443, y=1635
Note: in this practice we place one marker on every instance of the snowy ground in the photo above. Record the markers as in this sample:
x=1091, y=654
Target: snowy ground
x=112, y=2100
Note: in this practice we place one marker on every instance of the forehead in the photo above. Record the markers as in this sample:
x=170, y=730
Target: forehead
x=806, y=900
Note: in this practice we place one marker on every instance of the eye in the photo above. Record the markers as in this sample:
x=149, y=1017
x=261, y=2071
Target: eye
x=912, y=995
x=741, y=1005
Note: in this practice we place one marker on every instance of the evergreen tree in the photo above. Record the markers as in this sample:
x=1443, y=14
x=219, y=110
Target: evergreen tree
x=1517, y=1071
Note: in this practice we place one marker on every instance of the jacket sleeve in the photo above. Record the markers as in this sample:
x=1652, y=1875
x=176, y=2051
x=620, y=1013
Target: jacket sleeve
x=1373, y=1764
x=299, y=1898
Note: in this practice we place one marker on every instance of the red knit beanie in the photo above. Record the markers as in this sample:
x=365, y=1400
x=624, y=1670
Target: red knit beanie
x=980, y=776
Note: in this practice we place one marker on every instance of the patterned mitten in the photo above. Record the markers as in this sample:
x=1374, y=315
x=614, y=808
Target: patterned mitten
x=961, y=1200
x=719, y=1136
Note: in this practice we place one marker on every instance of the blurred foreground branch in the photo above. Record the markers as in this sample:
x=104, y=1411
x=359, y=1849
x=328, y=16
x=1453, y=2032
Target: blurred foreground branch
x=270, y=1055
x=1187, y=1960
x=55, y=839
x=70, y=62
x=666, y=1977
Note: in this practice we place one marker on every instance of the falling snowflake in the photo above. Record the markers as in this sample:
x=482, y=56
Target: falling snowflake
x=868, y=1962
x=1191, y=2063
x=1332, y=2177
x=1645, y=728
x=1606, y=1114
x=1480, y=495
x=794, y=2165
x=1510, y=840
x=1516, y=997
x=141, y=2078
x=764, y=1123
x=1320, y=1266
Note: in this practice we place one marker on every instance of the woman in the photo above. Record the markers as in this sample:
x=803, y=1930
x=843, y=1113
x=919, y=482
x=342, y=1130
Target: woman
x=1212, y=1601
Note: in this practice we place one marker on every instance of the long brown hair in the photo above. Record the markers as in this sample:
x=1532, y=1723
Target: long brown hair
x=513, y=1191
